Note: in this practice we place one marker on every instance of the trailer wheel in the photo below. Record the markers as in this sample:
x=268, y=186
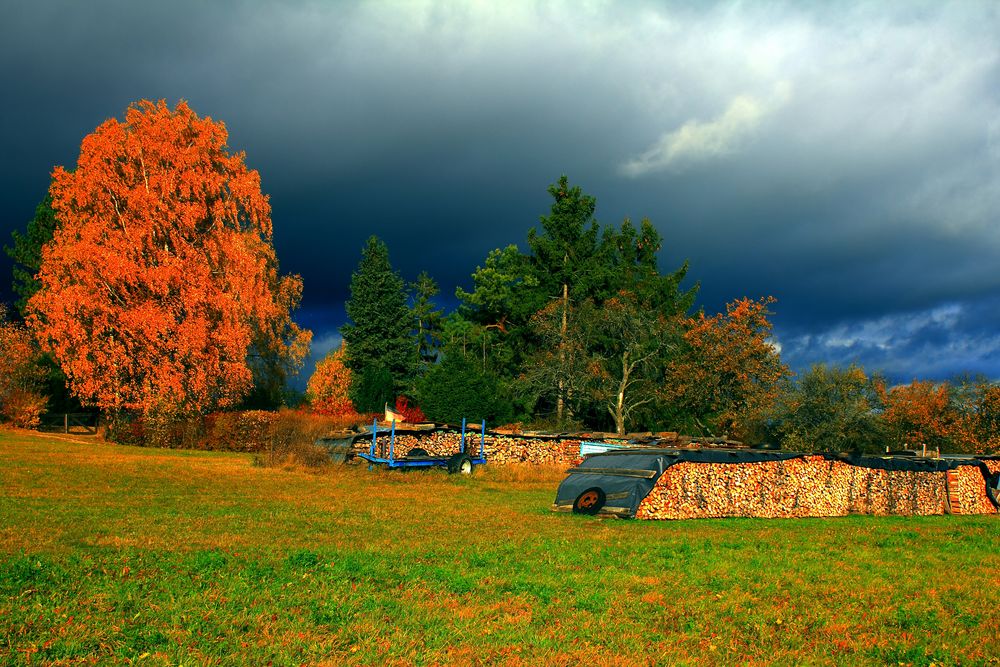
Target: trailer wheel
x=589, y=502
x=460, y=463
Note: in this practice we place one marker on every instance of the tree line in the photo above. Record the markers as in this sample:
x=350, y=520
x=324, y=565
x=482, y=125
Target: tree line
x=611, y=343
x=148, y=284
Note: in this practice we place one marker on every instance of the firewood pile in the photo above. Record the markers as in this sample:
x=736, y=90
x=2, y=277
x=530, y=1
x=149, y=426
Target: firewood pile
x=968, y=488
x=883, y=492
x=499, y=448
x=435, y=443
x=804, y=487
x=505, y=449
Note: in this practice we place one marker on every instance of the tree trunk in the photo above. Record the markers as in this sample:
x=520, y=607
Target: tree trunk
x=561, y=398
x=620, y=404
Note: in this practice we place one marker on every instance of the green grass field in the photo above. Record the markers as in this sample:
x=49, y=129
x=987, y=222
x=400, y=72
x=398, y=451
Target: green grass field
x=112, y=554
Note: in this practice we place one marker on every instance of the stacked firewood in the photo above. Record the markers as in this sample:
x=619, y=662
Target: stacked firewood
x=499, y=449
x=806, y=486
x=504, y=449
x=882, y=492
x=767, y=489
x=435, y=443
x=969, y=489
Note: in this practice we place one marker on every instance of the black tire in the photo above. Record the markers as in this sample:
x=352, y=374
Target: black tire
x=460, y=464
x=417, y=451
x=590, y=501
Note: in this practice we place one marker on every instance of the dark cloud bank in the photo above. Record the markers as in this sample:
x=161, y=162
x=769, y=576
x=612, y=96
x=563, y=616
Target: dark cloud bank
x=844, y=158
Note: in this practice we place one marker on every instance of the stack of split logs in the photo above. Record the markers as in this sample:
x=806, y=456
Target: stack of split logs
x=804, y=487
x=965, y=490
x=499, y=449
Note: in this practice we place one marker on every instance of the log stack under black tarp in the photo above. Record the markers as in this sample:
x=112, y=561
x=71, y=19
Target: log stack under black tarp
x=817, y=485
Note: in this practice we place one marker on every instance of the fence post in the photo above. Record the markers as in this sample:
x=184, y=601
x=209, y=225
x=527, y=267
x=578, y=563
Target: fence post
x=66, y=422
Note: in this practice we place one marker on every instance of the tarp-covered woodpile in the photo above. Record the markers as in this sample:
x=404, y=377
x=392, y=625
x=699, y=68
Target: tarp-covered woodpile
x=683, y=484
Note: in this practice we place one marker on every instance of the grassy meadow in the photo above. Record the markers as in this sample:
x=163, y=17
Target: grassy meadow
x=112, y=554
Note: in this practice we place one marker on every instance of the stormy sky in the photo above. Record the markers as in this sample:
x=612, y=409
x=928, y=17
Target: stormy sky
x=843, y=157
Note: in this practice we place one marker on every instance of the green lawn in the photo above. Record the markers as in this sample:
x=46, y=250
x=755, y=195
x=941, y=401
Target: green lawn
x=121, y=555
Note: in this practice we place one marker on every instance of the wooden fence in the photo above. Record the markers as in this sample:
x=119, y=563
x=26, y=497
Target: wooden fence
x=83, y=423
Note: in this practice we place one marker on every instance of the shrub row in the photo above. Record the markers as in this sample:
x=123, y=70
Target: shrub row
x=276, y=438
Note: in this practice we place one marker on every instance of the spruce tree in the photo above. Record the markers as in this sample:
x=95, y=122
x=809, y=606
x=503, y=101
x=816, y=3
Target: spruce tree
x=27, y=251
x=426, y=318
x=378, y=333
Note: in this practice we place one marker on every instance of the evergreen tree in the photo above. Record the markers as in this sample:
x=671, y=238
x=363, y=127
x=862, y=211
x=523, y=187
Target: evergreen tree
x=372, y=389
x=378, y=333
x=531, y=303
x=427, y=319
x=456, y=388
x=26, y=252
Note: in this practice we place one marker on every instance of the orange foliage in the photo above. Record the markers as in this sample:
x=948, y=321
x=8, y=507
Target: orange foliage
x=922, y=413
x=982, y=424
x=162, y=274
x=412, y=414
x=328, y=388
x=728, y=375
x=21, y=376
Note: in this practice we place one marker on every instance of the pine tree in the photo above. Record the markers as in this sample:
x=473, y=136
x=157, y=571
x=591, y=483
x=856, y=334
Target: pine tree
x=378, y=333
x=426, y=318
x=27, y=251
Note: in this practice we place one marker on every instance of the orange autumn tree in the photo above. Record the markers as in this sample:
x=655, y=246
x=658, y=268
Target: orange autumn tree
x=923, y=413
x=329, y=387
x=161, y=280
x=981, y=423
x=727, y=374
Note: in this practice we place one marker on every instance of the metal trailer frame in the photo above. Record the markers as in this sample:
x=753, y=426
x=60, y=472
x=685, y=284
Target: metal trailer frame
x=420, y=461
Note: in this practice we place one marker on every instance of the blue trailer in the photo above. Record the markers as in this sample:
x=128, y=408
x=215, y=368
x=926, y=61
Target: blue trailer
x=459, y=462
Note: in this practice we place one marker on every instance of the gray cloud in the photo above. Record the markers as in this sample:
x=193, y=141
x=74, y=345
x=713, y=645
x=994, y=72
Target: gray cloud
x=842, y=157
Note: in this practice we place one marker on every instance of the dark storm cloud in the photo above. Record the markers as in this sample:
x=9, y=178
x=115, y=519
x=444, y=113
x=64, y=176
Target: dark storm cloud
x=842, y=157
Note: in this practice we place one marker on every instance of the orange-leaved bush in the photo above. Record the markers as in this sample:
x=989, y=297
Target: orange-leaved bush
x=411, y=412
x=161, y=277
x=328, y=388
x=21, y=375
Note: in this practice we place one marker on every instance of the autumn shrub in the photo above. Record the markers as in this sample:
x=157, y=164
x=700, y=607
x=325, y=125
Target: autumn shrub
x=292, y=435
x=23, y=408
x=328, y=389
x=245, y=431
x=156, y=429
x=291, y=440
x=22, y=376
x=978, y=403
x=411, y=413
x=255, y=431
x=832, y=409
